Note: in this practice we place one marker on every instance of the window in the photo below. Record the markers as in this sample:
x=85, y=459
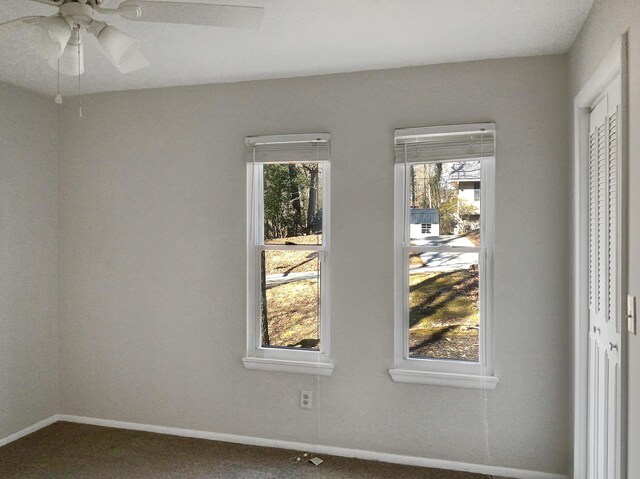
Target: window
x=288, y=244
x=443, y=280
x=426, y=228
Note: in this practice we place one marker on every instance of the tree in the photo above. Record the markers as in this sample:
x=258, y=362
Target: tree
x=291, y=196
x=437, y=191
x=431, y=187
x=312, y=169
x=264, y=323
x=277, y=220
x=412, y=187
x=466, y=210
x=294, y=192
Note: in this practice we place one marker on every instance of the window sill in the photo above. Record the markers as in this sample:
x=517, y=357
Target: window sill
x=468, y=381
x=288, y=366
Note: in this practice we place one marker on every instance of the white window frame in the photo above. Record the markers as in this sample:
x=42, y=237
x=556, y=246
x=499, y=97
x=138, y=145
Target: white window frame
x=282, y=359
x=444, y=372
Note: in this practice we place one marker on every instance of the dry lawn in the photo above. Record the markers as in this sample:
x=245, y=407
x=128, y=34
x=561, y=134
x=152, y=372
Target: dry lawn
x=292, y=309
x=443, y=305
x=307, y=239
x=293, y=261
x=444, y=314
x=474, y=237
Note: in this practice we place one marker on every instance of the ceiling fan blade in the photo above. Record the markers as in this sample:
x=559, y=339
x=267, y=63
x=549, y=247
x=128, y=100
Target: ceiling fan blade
x=194, y=13
x=13, y=24
x=52, y=3
x=135, y=62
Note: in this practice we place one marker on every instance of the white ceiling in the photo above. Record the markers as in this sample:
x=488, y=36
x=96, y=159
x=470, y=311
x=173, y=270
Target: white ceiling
x=308, y=37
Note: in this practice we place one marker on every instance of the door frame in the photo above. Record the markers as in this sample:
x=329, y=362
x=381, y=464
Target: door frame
x=613, y=64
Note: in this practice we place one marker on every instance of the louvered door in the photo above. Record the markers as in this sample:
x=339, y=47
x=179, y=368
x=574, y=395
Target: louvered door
x=604, y=303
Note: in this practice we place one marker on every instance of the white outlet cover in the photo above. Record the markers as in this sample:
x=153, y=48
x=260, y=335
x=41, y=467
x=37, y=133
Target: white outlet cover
x=306, y=399
x=316, y=460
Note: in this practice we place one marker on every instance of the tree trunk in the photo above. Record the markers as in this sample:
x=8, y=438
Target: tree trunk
x=313, y=194
x=412, y=174
x=295, y=201
x=434, y=186
x=263, y=287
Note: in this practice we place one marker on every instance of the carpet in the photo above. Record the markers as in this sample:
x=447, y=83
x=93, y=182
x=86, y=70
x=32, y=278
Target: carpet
x=77, y=451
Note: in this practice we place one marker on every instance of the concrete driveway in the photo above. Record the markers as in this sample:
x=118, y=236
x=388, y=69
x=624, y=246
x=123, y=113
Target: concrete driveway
x=446, y=261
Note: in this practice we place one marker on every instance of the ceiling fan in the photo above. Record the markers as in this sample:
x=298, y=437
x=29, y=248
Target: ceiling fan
x=59, y=37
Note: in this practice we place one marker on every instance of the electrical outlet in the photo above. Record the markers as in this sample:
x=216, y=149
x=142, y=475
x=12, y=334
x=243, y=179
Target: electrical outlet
x=306, y=399
x=631, y=314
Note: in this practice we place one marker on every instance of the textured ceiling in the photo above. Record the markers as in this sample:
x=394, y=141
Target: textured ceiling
x=307, y=37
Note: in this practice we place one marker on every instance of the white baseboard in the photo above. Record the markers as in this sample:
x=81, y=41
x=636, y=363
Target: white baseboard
x=319, y=449
x=28, y=430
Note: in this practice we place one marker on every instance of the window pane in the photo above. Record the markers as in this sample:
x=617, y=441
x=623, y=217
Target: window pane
x=444, y=320
x=293, y=203
x=446, y=196
x=290, y=299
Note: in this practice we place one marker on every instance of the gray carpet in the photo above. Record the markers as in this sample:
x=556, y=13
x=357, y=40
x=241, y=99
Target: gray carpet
x=65, y=451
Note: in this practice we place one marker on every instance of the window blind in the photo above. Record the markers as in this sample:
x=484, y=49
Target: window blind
x=305, y=148
x=445, y=143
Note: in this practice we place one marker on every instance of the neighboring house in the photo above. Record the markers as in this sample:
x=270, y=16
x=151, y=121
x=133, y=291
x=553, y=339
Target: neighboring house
x=424, y=222
x=465, y=177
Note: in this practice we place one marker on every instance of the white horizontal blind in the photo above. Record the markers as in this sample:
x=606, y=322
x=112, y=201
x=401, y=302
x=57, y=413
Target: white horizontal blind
x=445, y=143
x=304, y=148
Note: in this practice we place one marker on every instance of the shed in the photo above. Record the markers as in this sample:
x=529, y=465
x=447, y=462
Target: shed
x=424, y=222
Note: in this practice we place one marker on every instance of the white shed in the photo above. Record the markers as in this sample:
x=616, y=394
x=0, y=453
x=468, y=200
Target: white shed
x=424, y=222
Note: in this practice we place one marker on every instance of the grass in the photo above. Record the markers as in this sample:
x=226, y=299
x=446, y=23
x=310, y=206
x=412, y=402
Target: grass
x=293, y=261
x=306, y=239
x=292, y=310
x=443, y=314
x=415, y=261
x=474, y=237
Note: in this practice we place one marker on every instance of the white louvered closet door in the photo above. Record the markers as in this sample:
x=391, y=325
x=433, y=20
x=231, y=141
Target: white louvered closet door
x=604, y=303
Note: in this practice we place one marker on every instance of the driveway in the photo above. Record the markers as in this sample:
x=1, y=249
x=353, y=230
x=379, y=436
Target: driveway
x=446, y=261
x=291, y=277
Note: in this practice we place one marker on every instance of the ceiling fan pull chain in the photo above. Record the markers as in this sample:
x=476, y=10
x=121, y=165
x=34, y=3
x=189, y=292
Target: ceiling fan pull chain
x=58, y=99
x=79, y=75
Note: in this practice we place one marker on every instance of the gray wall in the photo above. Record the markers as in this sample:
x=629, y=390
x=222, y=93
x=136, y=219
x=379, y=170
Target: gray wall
x=607, y=20
x=28, y=259
x=152, y=255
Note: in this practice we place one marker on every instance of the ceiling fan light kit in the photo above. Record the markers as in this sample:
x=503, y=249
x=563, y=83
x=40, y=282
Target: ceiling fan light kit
x=71, y=62
x=135, y=62
x=58, y=38
x=117, y=46
x=49, y=35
